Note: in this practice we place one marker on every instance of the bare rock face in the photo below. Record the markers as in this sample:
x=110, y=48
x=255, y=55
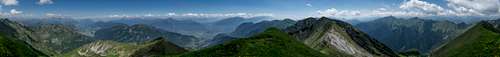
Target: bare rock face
x=100, y=48
x=343, y=44
x=337, y=38
x=152, y=48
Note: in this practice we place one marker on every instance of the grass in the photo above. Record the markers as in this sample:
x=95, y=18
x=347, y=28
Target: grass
x=479, y=41
x=11, y=47
x=272, y=43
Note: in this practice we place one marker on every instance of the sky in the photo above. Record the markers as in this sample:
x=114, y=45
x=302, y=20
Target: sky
x=248, y=8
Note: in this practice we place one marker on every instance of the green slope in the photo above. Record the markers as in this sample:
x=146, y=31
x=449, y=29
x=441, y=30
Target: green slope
x=272, y=43
x=11, y=47
x=481, y=40
x=157, y=47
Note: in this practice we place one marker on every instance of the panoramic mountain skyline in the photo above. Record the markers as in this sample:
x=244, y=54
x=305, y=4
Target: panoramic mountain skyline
x=249, y=28
x=296, y=9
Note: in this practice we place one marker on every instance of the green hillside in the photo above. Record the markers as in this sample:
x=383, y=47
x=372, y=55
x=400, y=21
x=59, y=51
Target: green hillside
x=156, y=47
x=272, y=43
x=481, y=40
x=11, y=47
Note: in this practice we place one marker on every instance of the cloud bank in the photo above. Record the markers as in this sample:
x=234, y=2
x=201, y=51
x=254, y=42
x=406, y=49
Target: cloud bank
x=418, y=8
x=43, y=2
x=9, y=2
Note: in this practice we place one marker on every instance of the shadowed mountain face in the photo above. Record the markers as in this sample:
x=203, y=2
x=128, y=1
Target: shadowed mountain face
x=414, y=33
x=186, y=27
x=272, y=42
x=16, y=30
x=230, y=24
x=141, y=33
x=337, y=38
x=482, y=40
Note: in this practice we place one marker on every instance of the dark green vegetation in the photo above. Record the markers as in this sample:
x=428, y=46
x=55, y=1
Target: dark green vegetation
x=413, y=33
x=337, y=38
x=12, y=47
x=482, y=40
x=410, y=53
x=272, y=43
x=159, y=47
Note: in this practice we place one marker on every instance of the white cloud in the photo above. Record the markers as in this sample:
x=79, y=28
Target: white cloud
x=309, y=5
x=52, y=15
x=476, y=6
x=42, y=2
x=225, y=14
x=335, y=12
x=406, y=9
x=332, y=12
x=9, y=2
x=171, y=14
x=15, y=12
x=382, y=9
x=417, y=8
x=422, y=5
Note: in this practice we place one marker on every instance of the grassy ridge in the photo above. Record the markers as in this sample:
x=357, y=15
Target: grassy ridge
x=480, y=41
x=11, y=47
x=272, y=42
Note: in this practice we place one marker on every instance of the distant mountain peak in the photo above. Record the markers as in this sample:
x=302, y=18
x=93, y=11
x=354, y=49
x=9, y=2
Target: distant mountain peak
x=333, y=37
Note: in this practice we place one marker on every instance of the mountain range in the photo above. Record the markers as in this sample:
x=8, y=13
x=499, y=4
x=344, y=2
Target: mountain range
x=413, y=33
x=337, y=38
x=481, y=40
x=248, y=29
x=309, y=37
x=12, y=47
x=141, y=33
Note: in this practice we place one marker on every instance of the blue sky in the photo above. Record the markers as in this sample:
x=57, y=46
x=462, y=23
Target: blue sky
x=277, y=8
